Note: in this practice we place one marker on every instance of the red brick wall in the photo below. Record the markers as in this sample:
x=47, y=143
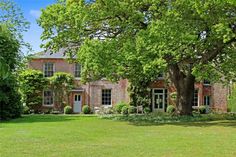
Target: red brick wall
x=92, y=91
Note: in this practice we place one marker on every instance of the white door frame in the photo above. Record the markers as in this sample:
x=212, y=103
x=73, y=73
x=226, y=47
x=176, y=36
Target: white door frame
x=163, y=99
x=77, y=100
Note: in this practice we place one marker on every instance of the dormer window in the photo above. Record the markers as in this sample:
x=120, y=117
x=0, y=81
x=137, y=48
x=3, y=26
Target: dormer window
x=206, y=82
x=48, y=69
x=160, y=76
x=77, y=70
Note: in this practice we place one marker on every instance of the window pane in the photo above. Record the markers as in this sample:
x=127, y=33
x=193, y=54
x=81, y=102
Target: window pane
x=106, y=97
x=195, y=98
x=48, y=69
x=48, y=97
x=207, y=100
x=77, y=71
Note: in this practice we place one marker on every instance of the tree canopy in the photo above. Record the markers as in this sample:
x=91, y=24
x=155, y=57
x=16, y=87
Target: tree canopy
x=9, y=97
x=138, y=39
x=12, y=16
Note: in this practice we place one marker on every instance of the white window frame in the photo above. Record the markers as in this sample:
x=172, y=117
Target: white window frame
x=54, y=69
x=206, y=84
x=197, y=98
x=205, y=98
x=78, y=78
x=163, y=99
x=102, y=97
x=52, y=98
x=162, y=77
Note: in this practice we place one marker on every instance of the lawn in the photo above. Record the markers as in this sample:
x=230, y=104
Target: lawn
x=90, y=136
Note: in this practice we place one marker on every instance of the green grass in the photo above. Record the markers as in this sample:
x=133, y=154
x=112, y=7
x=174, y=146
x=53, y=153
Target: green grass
x=90, y=136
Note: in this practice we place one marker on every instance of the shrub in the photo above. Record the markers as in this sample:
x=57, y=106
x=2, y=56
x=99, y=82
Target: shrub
x=131, y=109
x=146, y=110
x=67, y=109
x=170, y=109
x=32, y=83
x=26, y=110
x=124, y=110
x=119, y=106
x=104, y=110
x=202, y=109
x=86, y=109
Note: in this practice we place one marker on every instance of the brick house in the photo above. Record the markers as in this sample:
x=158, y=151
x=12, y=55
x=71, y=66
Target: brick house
x=104, y=93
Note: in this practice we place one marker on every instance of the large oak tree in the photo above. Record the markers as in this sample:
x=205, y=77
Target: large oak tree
x=138, y=39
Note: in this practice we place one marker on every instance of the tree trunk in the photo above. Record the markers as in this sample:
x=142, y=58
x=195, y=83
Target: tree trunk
x=184, y=84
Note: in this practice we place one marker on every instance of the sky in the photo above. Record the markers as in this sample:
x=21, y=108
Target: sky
x=31, y=10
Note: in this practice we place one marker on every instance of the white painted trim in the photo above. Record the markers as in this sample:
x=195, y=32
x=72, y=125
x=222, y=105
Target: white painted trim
x=54, y=68
x=52, y=98
x=163, y=99
x=81, y=99
x=77, y=78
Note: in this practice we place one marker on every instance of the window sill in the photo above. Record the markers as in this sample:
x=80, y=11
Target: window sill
x=106, y=106
x=78, y=78
x=48, y=105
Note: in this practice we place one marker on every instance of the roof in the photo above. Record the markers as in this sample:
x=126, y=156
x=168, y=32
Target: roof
x=51, y=55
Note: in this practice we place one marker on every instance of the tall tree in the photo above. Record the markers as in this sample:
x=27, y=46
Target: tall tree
x=140, y=38
x=12, y=16
x=10, y=106
x=12, y=24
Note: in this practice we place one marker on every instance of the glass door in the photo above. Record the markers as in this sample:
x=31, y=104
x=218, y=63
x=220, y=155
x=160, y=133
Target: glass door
x=158, y=100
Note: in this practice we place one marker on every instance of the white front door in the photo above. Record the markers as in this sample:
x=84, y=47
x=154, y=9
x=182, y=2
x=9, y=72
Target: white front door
x=158, y=100
x=77, y=103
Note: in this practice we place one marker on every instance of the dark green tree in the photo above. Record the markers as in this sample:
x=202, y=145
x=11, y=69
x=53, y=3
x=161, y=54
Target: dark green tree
x=135, y=39
x=10, y=105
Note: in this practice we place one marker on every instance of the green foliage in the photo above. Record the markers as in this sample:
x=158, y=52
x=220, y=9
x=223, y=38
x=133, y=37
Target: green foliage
x=118, y=107
x=173, y=95
x=170, y=109
x=157, y=118
x=139, y=39
x=132, y=109
x=202, y=109
x=68, y=110
x=86, y=109
x=105, y=110
x=232, y=99
x=146, y=110
x=61, y=83
x=139, y=93
x=32, y=84
x=125, y=110
x=10, y=104
x=26, y=110
x=12, y=16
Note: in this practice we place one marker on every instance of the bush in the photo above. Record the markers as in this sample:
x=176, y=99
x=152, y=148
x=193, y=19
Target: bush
x=202, y=109
x=124, y=110
x=104, y=110
x=10, y=104
x=131, y=109
x=119, y=106
x=146, y=110
x=170, y=109
x=26, y=110
x=86, y=109
x=67, y=109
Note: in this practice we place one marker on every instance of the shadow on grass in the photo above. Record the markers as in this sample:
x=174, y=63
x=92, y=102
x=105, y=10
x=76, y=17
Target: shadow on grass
x=224, y=120
x=47, y=118
x=221, y=123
